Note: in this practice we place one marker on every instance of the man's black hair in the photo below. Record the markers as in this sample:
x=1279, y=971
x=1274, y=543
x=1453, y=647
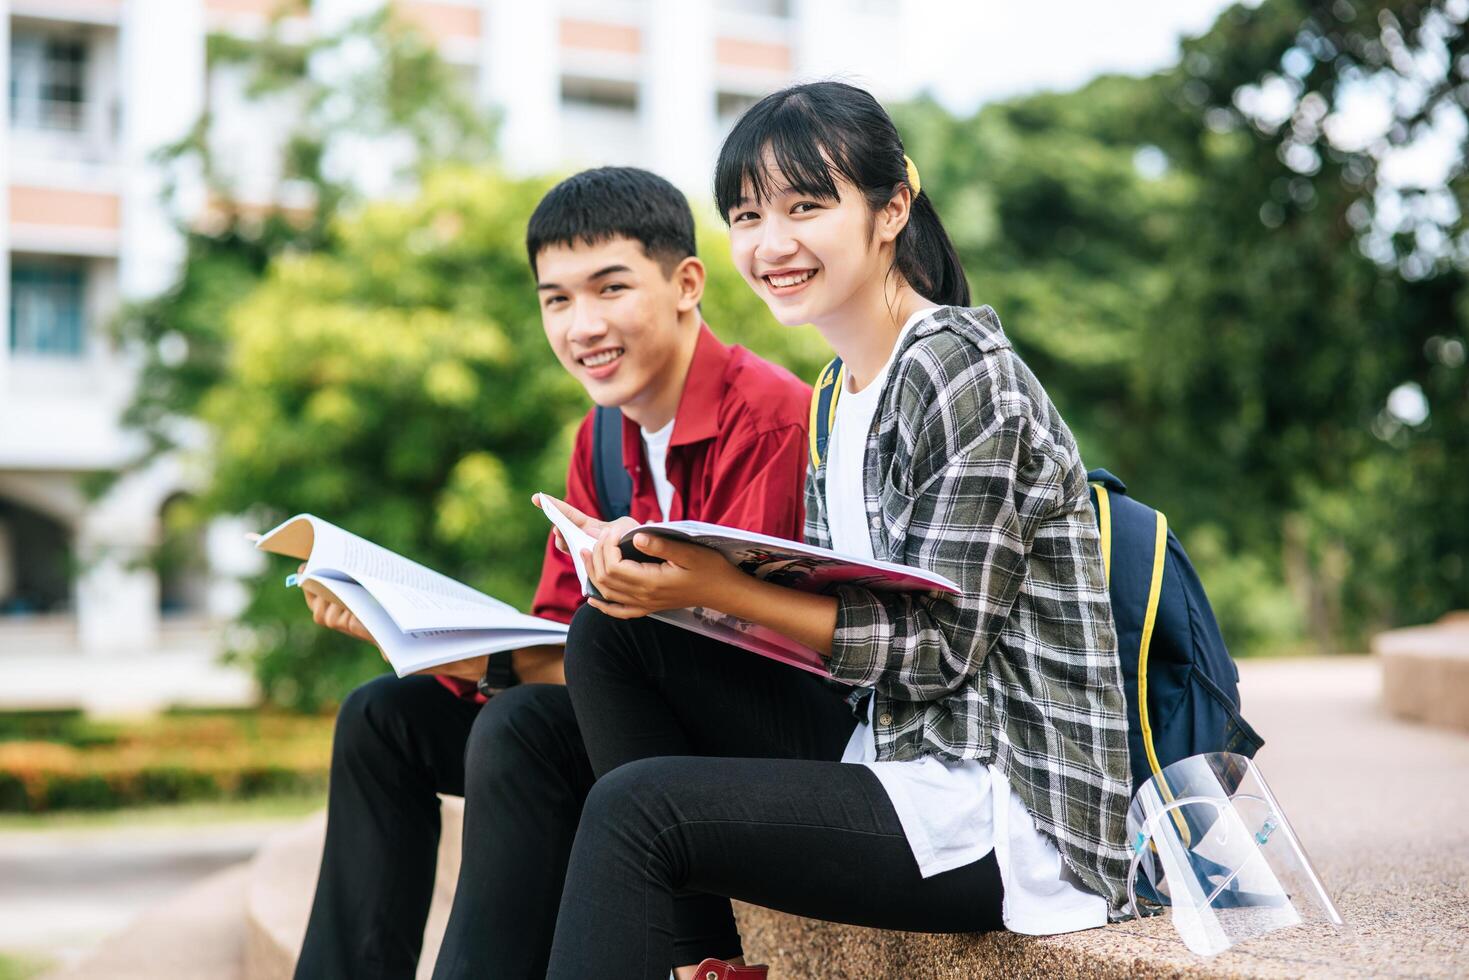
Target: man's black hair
x=598, y=205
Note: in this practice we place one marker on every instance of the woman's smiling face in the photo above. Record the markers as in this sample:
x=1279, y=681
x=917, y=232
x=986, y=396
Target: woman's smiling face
x=806, y=256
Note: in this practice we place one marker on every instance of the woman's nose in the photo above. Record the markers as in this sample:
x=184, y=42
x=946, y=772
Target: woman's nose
x=775, y=243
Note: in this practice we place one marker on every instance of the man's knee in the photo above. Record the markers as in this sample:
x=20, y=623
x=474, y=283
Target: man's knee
x=368, y=714
x=523, y=730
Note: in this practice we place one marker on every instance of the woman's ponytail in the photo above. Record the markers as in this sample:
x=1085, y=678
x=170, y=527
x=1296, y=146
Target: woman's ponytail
x=926, y=258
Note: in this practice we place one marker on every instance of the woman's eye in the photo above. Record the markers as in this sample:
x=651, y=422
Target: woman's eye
x=745, y=216
x=805, y=207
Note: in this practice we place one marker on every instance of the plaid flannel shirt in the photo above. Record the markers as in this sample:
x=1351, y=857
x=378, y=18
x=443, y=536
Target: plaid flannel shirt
x=970, y=471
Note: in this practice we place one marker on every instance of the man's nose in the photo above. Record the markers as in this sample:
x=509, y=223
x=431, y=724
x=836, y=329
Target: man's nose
x=586, y=325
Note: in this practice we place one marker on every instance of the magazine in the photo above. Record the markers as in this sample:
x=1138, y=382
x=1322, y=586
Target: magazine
x=771, y=559
x=418, y=617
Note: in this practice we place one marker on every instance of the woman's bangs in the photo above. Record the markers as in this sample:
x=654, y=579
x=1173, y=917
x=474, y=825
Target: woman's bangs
x=790, y=141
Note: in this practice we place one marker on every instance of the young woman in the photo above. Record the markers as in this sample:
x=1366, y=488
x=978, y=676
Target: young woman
x=975, y=777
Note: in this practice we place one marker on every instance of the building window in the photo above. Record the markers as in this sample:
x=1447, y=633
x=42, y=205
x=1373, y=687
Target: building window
x=47, y=81
x=730, y=106
x=769, y=8
x=46, y=303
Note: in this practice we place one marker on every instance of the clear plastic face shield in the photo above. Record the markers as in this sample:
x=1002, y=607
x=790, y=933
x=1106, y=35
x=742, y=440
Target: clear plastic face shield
x=1210, y=841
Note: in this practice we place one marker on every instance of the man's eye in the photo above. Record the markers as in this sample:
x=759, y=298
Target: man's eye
x=614, y=287
x=554, y=300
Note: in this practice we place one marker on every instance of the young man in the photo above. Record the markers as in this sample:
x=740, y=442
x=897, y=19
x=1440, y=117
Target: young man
x=710, y=433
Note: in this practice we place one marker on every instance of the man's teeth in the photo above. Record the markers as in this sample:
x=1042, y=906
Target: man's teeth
x=606, y=357
x=791, y=280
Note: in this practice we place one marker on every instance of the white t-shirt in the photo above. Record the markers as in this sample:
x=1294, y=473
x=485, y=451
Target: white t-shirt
x=656, y=444
x=953, y=813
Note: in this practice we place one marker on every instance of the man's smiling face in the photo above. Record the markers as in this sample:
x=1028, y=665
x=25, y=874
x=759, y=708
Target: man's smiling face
x=611, y=314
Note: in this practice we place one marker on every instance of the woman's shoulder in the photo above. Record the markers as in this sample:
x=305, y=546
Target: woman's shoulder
x=957, y=360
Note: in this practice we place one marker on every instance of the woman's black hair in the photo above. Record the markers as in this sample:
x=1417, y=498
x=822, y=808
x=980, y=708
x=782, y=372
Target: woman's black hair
x=811, y=130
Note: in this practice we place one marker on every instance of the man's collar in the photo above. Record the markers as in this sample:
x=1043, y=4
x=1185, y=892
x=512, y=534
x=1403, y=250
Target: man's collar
x=697, y=415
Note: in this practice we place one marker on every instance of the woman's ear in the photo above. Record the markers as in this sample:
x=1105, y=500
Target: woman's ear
x=893, y=216
x=689, y=276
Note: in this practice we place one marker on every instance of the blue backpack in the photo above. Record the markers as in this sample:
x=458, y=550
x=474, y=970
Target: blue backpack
x=1182, y=686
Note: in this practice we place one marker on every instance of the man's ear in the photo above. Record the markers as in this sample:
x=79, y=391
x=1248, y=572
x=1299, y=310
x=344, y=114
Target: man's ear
x=689, y=276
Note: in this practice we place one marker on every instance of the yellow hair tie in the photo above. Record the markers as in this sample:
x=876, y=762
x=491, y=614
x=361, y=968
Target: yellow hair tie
x=913, y=180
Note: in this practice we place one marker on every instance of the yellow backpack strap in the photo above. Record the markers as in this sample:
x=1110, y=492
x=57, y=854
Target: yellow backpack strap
x=824, y=408
x=1150, y=619
x=1104, y=528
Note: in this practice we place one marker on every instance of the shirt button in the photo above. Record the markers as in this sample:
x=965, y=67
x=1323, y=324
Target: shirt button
x=886, y=718
x=876, y=522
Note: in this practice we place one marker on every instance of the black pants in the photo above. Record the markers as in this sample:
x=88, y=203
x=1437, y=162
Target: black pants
x=518, y=762
x=773, y=818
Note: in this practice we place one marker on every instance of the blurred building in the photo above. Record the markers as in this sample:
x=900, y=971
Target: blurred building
x=97, y=86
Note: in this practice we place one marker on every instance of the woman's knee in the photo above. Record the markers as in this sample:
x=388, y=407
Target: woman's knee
x=633, y=800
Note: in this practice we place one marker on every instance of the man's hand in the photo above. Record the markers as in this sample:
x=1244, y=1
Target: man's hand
x=327, y=611
x=589, y=524
x=685, y=575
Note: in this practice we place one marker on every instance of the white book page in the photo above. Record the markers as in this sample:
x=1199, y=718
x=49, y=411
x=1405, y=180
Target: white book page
x=410, y=654
x=415, y=611
x=576, y=539
x=337, y=550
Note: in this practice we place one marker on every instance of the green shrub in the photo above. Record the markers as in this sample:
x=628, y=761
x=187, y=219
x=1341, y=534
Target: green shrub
x=170, y=759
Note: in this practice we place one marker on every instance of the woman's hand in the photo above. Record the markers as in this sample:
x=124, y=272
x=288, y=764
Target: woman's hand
x=685, y=575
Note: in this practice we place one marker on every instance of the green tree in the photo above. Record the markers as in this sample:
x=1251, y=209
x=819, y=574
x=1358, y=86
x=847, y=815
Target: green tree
x=1226, y=301
x=399, y=384
x=393, y=89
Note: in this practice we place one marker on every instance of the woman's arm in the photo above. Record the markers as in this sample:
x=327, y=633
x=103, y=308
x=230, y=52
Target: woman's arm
x=974, y=520
x=689, y=575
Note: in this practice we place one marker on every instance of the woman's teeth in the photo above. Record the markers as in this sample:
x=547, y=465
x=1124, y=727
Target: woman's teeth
x=605, y=357
x=794, y=279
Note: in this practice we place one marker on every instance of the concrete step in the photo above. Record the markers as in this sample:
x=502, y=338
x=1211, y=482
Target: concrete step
x=198, y=933
x=1425, y=671
x=1379, y=804
x=283, y=881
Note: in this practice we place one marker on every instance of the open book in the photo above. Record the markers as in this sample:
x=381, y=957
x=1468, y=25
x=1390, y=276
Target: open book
x=418, y=617
x=789, y=563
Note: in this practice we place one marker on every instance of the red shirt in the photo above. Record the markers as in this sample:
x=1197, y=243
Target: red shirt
x=737, y=457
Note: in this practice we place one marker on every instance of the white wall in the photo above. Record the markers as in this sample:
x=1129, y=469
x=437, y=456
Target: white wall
x=5, y=203
x=521, y=76
x=161, y=60
x=678, y=90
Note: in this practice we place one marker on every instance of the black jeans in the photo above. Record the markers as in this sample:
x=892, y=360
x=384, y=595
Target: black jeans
x=519, y=763
x=772, y=818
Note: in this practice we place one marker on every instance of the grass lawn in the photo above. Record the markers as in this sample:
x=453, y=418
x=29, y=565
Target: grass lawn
x=16, y=967
x=281, y=807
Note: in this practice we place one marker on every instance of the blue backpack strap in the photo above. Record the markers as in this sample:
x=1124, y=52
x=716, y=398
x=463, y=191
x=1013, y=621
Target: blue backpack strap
x=609, y=476
x=824, y=408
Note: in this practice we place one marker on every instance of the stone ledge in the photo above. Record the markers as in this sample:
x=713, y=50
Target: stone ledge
x=283, y=882
x=1378, y=803
x=1425, y=671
